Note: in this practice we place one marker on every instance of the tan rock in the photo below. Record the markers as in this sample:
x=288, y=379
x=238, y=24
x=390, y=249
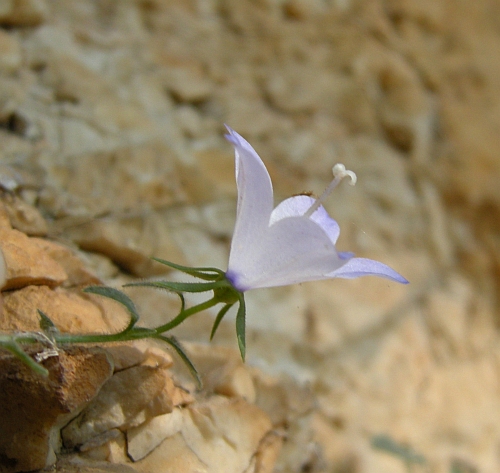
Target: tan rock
x=267, y=453
x=33, y=409
x=130, y=242
x=24, y=217
x=4, y=216
x=23, y=12
x=79, y=465
x=126, y=355
x=217, y=436
x=110, y=96
x=173, y=456
x=69, y=311
x=143, y=439
x=110, y=446
x=188, y=82
x=76, y=269
x=115, y=407
x=27, y=263
x=10, y=53
x=282, y=398
x=222, y=371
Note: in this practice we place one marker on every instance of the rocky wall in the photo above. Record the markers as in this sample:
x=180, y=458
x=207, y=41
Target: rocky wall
x=111, y=124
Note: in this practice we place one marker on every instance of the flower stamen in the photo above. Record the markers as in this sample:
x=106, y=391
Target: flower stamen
x=339, y=172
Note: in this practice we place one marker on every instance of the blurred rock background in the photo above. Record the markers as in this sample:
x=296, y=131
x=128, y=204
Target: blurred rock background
x=111, y=124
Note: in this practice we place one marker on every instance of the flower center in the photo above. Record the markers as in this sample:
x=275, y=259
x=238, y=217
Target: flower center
x=339, y=172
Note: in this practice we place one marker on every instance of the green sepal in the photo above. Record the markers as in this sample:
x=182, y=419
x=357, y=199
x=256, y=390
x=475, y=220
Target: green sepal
x=240, y=326
x=46, y=325
x=174, y=343
x=218, y=319
x=177, y=286
x=226, y=294
x=118, y=296
x=201, y=273
x=16, y=349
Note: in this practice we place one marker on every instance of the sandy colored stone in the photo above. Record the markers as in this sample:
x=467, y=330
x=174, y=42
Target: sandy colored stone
x=115, y=407
x=110, y=97
x=23, y=12
x=268, y=451
x=4, y=218
x=70, y=311
x=188, y=82
x=172, y=456
x=110, y=446
x=25, y=217
x=79, y=465
x=282, y=398
x=27, y=263
x=33, y=409
x=128, y=242
x=10, y=53
x=126, y=355
x=73, y=264
x=143, y=439
x=222, y=371
x=140, y=352
x=218, y=435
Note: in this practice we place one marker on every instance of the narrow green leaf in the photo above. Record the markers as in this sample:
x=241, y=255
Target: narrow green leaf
x=406, y=453
x=46, y=325
x=240, y=327
x=174, y=343
x=16, y=349
x=176, y=286
x=201, y=273
x=183, y=301
x=118, y=296
x=218, y=319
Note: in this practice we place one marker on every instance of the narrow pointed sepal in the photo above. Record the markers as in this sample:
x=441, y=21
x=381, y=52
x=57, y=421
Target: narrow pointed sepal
x=120, y=297
x=219, y=318
x=241, y=327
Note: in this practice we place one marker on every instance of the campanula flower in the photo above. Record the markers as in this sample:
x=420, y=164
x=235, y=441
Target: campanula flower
x=292, y=243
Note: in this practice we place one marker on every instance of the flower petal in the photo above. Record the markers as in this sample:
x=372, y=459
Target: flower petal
x=356, y=267
x=298, y=205
x=291, y=251
x=255, y=196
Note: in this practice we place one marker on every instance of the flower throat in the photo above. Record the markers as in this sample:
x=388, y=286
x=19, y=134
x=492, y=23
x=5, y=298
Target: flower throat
x=339, y=172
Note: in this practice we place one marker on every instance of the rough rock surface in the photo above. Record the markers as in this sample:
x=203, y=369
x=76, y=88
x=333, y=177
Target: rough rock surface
x=33, y=410
x=111, y=120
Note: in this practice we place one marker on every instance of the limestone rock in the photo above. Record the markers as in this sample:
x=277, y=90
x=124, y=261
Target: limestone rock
x=33, y=409
x=188, y=83
x=222, y=371
x=219, y=435
x=143, y=439
x=10, y=53
x=111, y=115
x=25, y=217
x=111, y=409
x=140, y=352
x=70, y=311
x=76, y=269
x=20, y=253
x=77, y=465
x=23, y=12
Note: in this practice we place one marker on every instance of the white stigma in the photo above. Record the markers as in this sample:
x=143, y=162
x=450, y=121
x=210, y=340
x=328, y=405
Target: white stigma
x=339, y=172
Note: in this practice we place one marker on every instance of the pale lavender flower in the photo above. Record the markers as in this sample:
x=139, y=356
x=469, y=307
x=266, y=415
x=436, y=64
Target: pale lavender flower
x=293, y=243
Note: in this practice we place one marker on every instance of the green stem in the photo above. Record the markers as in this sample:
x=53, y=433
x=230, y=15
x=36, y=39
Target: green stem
x=132, y=334
x=185, y=314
